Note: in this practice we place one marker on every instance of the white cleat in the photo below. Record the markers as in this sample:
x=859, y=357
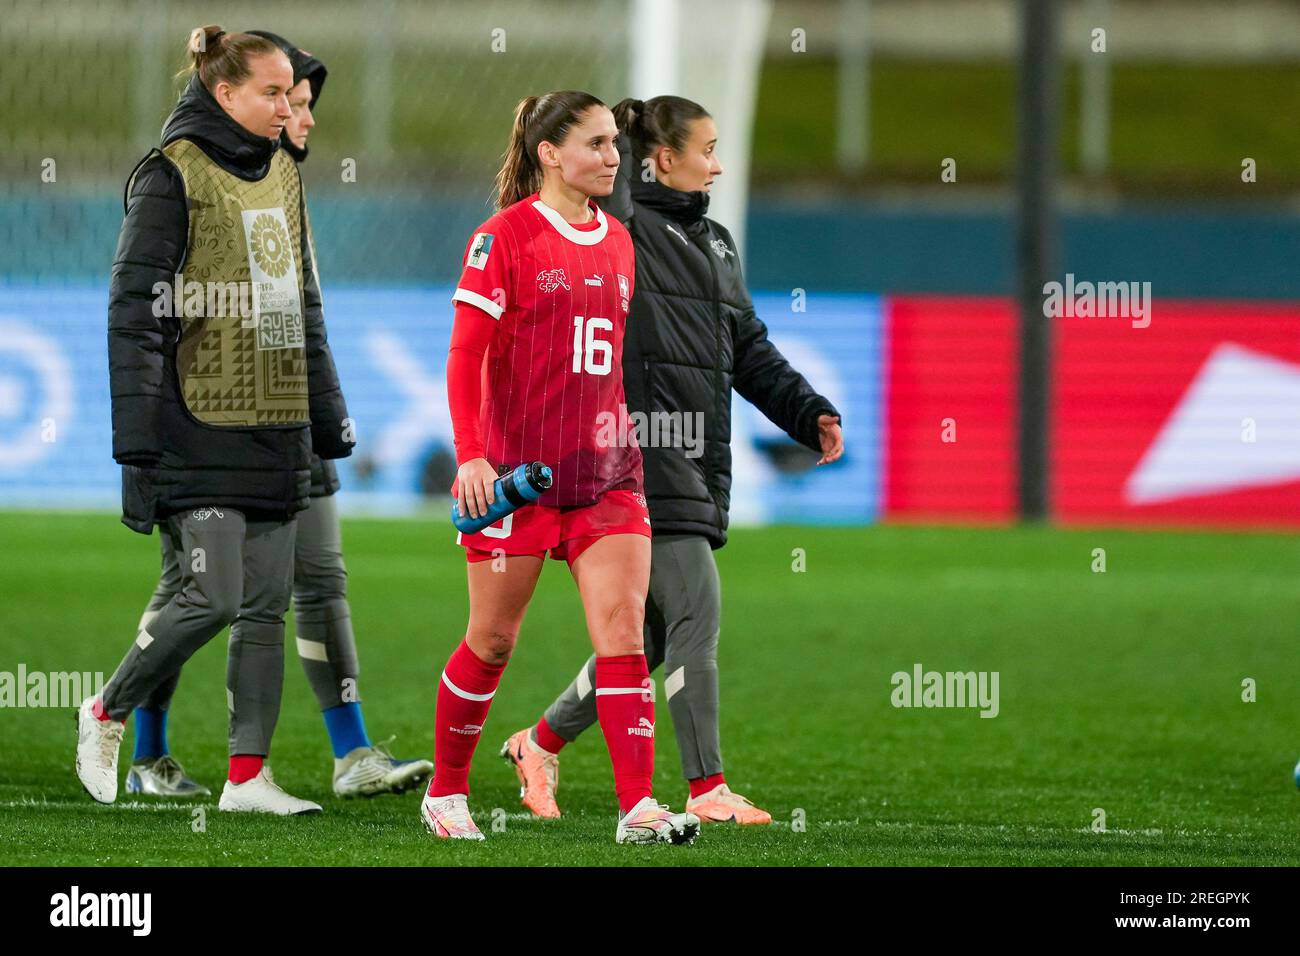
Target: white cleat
x=448, y=817
x=97, y=746
x=650, y=822
x=262, y=795
x=368, y=771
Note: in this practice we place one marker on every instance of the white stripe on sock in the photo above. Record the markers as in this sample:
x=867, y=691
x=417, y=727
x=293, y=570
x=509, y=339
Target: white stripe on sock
x=313, y=651
x=143, y=639
x=463, y=693
x=601, y=691
x=675, y=681
x=584, y=683
x=230, y=700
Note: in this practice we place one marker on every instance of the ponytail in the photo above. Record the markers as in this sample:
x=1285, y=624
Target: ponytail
x=519, y=175
x=629, y=117
x=538, y=119
x=662, y=121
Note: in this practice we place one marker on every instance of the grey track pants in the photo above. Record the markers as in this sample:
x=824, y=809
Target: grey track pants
x=683, y=617
x=227, y=571
x=322, y=617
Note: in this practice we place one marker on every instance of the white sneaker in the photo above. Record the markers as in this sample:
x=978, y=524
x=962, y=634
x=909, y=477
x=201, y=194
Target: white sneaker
x=367, y=771
x=163, y=777
x=448, y=817
x=650, y=822
x=262, y=795
x=97, y=744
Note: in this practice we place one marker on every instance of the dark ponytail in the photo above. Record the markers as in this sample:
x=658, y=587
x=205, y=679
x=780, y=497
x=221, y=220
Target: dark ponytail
x=216, y=55
x=538, y=119
x=662, y=121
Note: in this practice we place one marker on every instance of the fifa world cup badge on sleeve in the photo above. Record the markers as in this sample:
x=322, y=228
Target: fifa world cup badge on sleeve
x=479, y=249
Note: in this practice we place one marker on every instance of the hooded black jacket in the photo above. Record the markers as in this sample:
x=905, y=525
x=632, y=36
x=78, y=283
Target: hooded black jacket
x=324, y=476
x=305, y=67
x=692, y=336
x=175, y=462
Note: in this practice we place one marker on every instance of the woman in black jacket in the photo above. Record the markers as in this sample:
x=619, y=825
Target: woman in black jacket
x=222, y=383
x=325, y=642
x=692, y=338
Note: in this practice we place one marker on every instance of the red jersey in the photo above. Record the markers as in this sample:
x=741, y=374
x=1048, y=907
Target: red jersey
x=553, y=372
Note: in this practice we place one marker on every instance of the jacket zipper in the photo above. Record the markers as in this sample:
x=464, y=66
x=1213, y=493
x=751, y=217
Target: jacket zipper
x=717, y=364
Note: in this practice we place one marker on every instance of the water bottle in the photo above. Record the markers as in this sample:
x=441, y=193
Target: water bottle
x=510, y=492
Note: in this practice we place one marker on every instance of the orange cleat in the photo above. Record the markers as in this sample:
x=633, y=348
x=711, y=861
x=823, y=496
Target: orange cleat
x=720, y=805
x=538, y=771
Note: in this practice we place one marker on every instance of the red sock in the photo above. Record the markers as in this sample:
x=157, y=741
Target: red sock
x=464, y=696
x=244, y=767
x=625, y=706
x=97, y=708
x=701, y=785
x=546, y=738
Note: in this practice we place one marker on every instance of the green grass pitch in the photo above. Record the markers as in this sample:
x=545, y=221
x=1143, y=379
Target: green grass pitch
x=1119, y=691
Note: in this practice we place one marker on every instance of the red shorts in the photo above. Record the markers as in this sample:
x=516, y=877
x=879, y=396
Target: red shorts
x=565, y=532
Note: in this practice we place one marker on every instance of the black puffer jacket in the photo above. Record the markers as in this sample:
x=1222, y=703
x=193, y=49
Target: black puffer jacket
x=173, y=461
x=693, y=336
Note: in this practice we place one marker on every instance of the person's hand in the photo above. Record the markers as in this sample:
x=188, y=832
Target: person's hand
x=474, y=481
x=831, y=438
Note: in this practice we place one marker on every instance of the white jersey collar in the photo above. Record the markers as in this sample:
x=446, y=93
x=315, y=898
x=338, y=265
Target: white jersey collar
x=588, y=238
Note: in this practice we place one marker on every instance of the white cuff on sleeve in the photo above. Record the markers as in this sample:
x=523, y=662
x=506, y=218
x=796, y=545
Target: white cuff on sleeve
x=482, y=301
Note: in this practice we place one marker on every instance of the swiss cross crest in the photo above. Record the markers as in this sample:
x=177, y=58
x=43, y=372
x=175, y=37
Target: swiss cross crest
x=548, y=280
x=623, y=290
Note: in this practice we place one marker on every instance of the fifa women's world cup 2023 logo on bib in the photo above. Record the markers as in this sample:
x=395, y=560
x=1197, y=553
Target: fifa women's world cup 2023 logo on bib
x=277, y=305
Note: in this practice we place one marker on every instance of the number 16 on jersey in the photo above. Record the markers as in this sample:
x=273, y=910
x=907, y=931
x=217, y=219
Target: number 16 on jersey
x=590, y=354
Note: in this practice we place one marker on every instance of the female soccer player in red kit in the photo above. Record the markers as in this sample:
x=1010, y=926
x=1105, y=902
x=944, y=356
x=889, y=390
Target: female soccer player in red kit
x=545, y=296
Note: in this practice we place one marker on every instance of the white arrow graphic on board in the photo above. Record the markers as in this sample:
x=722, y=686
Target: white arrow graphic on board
x=1203, y=448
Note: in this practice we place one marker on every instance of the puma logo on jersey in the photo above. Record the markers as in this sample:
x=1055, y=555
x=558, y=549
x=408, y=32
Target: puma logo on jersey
x=669, y=227
x=548, y=280
x=594, y=280
x=643, y=729
x=721, y=249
